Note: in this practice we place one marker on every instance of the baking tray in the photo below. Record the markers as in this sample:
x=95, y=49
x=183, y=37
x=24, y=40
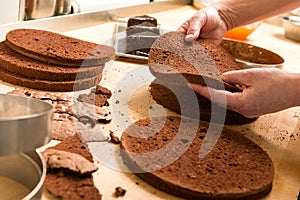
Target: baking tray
x=119, y=40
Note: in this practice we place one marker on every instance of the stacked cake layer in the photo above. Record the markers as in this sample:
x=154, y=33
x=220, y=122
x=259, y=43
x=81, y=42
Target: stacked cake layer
x=45, y=60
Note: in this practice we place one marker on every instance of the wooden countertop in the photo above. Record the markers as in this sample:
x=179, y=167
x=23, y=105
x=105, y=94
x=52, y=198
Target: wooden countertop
x=278, y=133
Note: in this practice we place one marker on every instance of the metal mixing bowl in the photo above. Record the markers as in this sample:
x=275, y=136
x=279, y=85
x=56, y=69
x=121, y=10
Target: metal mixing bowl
x=22, y=176
x=25, y=124
x=291, y=25
x=35, y=9
x=251, y=56
x=62, y=7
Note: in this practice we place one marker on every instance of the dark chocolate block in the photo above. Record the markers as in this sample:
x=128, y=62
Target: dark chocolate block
x=141, y=32
x=140, y=29
x=140, y=43
x=145, y=20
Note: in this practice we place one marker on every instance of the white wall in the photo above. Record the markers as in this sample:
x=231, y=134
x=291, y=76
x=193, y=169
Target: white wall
x=9, y=11
x=99, y=5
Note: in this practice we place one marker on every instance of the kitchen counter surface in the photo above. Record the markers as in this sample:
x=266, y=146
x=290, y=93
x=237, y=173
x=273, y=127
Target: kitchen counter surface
x=278, y=133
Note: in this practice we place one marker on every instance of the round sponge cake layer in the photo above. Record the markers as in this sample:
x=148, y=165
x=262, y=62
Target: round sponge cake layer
x=166, y=95
x=200, y=61
x=59, y=49
x=24, y=66
x=235, y=168
x=54, y=86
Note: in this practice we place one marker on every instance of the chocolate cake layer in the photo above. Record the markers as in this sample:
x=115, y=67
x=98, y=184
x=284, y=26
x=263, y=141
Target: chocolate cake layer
x=173, y=59
x=181, y=99
x=19, y=64
x=56, y=48
x=165, y=153
x=54, y=86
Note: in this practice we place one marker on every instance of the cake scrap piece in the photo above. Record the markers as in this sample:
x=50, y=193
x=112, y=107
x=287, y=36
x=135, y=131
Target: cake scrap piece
x=64, y=184
x=98, y=96
x=58, y=159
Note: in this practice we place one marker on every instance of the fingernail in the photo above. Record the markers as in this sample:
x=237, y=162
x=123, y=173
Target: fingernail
x=189, y=37
x=189, y=85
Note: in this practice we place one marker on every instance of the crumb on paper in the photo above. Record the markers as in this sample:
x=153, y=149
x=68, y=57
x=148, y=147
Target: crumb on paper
x=119, y=192
x=114, y=139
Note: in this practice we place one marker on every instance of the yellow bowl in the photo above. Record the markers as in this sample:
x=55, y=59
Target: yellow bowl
x=241, y=33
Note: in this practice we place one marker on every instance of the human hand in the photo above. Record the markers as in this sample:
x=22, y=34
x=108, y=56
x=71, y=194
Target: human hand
x=205, y=23
x=265, y=90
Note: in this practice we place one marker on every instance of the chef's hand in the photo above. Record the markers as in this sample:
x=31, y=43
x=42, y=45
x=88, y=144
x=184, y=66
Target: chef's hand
x=205, y=23
x=265, y=91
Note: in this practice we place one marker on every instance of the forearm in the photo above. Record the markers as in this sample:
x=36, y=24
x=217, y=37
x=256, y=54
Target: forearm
x=241, y=12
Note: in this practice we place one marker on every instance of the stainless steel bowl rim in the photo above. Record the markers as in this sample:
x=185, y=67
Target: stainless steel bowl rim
x=48, y=107
x=39, y=186
x=28, y=169
x=25, y=124
x=295, y=20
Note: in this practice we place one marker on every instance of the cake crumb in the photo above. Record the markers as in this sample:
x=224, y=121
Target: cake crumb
x=114, y=139
x=98, y=96
x=119, y=192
